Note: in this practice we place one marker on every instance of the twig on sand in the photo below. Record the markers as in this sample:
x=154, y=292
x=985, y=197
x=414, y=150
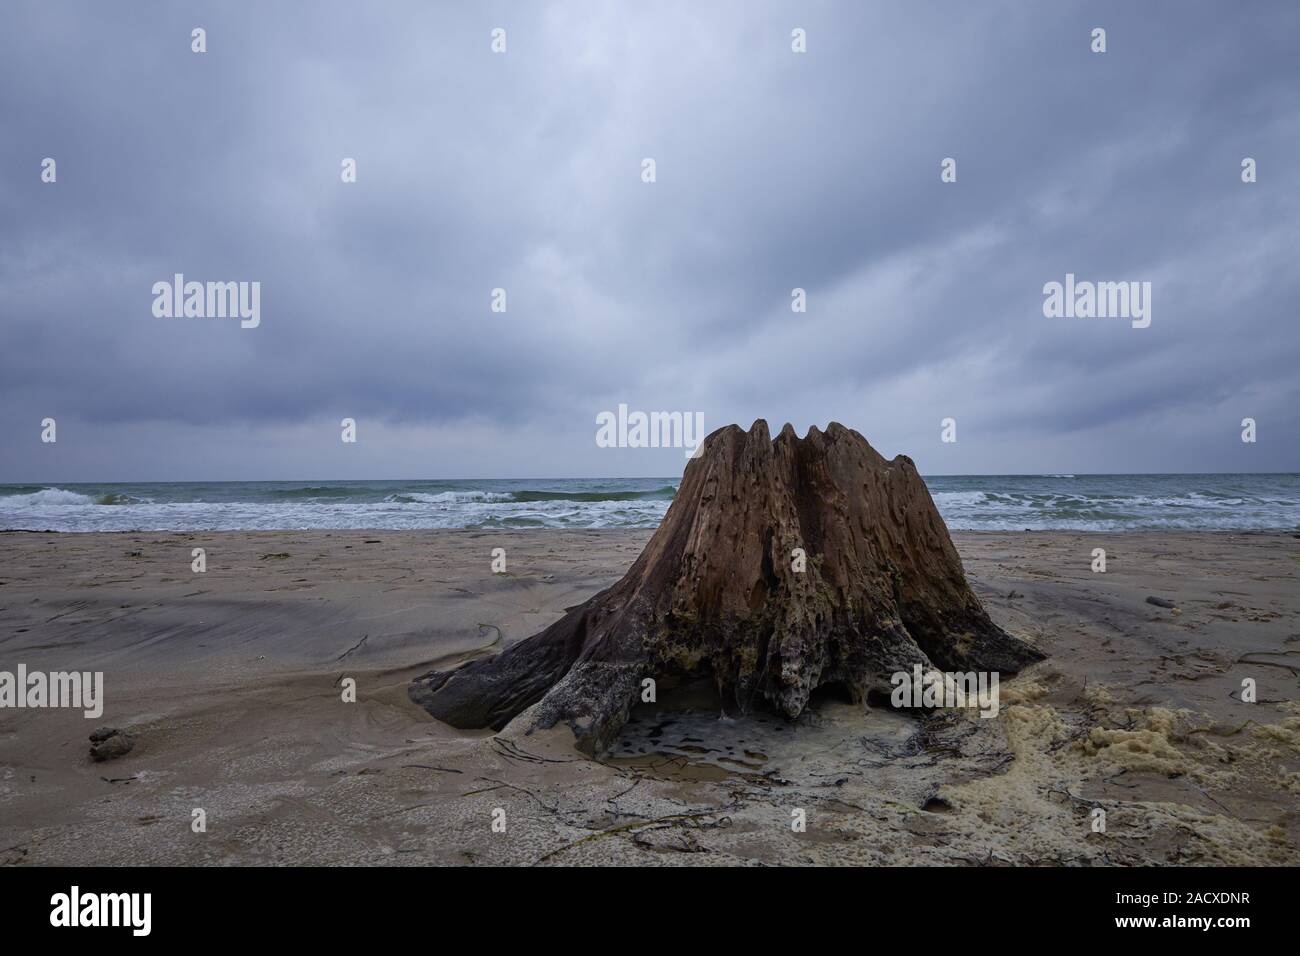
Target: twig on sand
x=634, y=825
x=510, y=786
x=510, y=749
x=623, y=793
x=354, y=647
x=425, y=766
x=471, y=793
x=1206, y=794
x=499, y=638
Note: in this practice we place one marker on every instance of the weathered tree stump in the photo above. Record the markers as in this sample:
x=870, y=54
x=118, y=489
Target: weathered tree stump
x=717, y=592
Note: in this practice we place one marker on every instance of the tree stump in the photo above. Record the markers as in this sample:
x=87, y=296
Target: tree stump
x=719, y=591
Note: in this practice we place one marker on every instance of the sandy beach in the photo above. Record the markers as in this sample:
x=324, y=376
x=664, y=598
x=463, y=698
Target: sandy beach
x=230, y=682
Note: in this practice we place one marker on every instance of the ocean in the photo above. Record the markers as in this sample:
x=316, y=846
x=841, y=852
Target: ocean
x=967, y=502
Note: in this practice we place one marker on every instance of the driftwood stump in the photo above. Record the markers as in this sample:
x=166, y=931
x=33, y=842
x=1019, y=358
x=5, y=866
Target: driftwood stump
x=717, y=592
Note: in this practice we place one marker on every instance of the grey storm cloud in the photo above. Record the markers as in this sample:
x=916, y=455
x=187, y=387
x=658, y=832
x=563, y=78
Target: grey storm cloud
x=521, y=170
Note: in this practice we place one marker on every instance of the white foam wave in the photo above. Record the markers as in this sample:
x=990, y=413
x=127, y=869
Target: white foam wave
x=45, y=498
x=448, y=497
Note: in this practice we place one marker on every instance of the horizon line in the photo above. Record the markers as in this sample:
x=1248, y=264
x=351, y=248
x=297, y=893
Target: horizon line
x=977, y=474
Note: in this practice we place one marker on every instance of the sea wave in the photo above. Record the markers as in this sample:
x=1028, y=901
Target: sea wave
x=967, y=503
x=665, y=493
x=447, y=497
x=45, y=498
x=56, y=497
x=114, y=498
x=316, y=491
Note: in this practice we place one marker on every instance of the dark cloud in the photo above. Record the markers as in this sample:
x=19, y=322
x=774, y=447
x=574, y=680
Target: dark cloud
x=775, y=170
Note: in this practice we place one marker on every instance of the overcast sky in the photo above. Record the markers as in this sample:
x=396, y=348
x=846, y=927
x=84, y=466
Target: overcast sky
x=522, y=170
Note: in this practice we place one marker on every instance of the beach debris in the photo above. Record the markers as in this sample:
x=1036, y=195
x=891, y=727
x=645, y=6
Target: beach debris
x=782, y=565
x=668, y=838
x=109, y=743
x=355, y=647
x=496, y=640
x=1161, y=602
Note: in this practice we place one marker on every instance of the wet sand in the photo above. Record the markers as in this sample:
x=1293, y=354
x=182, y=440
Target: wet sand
x=231, y=683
